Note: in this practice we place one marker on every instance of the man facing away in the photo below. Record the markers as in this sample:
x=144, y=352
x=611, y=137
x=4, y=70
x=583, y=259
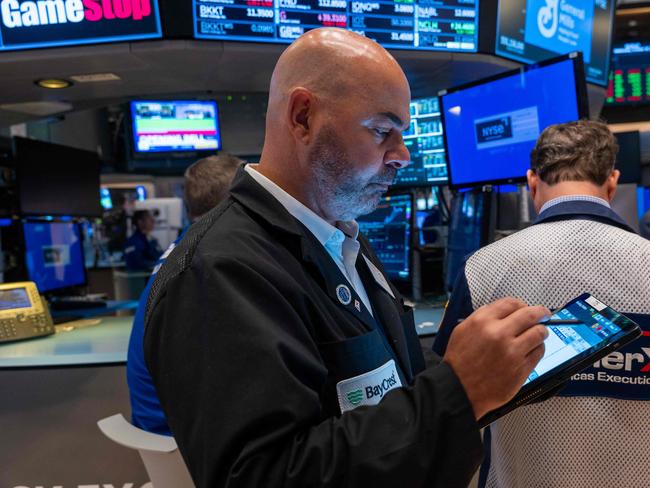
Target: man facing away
x=281, y=353
x=591, y=435
x=206, y=184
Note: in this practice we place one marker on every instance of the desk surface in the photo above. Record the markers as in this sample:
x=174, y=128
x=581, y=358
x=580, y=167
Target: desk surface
x=82, y=342
x=106, y=339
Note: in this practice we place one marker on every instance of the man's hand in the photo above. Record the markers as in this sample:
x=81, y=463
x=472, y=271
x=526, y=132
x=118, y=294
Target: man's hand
x=495, y=349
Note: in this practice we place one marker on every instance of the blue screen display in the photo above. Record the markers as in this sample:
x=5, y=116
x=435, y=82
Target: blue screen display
x=535, y=30
x=388, y=229
x=54, y=255
x=442, y=25
x=26, y=24
x=492, y=127
x=175, y=125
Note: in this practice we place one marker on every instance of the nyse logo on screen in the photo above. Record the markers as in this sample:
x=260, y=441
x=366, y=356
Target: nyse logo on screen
x=44, y=23
x=494, y=130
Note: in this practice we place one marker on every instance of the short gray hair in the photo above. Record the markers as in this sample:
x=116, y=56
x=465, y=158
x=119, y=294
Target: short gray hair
x=207, y=182
x=575, y=151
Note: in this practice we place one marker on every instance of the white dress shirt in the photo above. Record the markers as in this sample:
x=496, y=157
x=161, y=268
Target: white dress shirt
x=340, y=242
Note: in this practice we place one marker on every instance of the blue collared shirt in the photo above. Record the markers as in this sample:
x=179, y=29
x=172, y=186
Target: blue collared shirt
x=574, y=198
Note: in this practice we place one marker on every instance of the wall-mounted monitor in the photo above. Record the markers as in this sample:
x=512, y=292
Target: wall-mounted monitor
x=443, y=25
x=425, y=143
x=56, y=180
x=491, y=125
x=29, y=24
x=535, y=30
x=54, y=255
x=629, y=78
x=389, y=231
x=161, y=126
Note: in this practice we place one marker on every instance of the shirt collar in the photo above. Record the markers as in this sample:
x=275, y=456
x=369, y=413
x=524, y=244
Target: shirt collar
x=574, y=198
x=322, y=230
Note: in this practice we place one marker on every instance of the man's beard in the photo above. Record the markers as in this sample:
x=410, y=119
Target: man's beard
x=345, y=194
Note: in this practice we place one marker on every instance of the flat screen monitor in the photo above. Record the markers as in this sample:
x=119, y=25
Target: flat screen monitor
x=425, y=143
x=388, y=230
x=175, y=126
x=442, y=25
x=629, y=78
x=535, y=30
x=56, y=180
x=490, y=126
x=54, y=255
x=628, y=159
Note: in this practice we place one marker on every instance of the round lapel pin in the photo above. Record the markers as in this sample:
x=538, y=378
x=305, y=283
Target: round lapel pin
x=343, y=294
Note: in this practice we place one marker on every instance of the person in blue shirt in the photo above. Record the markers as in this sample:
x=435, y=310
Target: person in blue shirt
x=206, y=184
x=142, y=250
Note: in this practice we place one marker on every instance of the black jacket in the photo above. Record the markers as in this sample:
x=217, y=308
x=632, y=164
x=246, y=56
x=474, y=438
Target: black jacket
x=246, y=339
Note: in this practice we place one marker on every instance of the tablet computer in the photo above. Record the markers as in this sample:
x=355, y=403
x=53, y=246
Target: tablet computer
x=580, y=333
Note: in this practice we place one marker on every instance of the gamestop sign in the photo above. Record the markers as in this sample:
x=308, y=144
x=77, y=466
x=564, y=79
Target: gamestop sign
x=26, y=24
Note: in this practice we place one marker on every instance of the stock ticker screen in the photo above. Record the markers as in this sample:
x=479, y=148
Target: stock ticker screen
x=439, y=25
x=535, y=30
x=425, y=143
x=629, y=79
x=388, y=229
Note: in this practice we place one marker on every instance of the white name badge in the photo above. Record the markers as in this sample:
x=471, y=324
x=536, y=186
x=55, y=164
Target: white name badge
x=368, y=388
x=379, y=278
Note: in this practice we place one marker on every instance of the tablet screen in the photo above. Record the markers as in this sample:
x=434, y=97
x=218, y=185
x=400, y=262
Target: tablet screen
x=595, y=328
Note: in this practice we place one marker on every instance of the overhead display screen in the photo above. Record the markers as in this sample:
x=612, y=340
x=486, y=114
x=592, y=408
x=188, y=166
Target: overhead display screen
x=535, y=30
x=27, y=24
x=439, y=25
x=424, y=141
x=492, y=125
x=175, y=125
x=629, y=78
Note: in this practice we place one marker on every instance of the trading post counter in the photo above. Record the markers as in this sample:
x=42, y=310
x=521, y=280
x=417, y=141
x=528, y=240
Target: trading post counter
x=54, y=391
x=57, y=387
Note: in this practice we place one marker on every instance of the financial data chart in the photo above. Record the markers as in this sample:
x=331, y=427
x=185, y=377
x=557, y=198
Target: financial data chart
x=388, y=229
x=439, y=25
x=564, y=342
x=629, y=79
x=424, y=141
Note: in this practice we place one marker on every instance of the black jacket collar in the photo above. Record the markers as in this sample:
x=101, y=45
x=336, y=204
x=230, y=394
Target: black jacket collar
x=578, y=209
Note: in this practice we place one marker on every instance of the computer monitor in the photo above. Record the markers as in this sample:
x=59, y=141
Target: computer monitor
x=628, y=159
x=54, y=255
x=629, y=77
x=425, y=143
x=178, y=126
x=56, y=180
x=490, y=126
x=534, y=30
x=389, y=230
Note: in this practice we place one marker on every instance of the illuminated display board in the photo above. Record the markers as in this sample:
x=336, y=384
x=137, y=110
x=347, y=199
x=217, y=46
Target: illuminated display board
x=447, y=25
x=425, y=142
x=26, y=24
x=535, y=30
x=629, y=79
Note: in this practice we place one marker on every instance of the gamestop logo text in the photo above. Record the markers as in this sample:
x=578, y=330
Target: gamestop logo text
x=49, y=12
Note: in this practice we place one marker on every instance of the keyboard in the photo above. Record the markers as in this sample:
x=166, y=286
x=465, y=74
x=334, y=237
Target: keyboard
x=76, y=302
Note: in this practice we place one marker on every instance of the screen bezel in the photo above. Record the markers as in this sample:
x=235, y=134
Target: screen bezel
x=581, y=102
x=556, y=376
x=61, y=289
x=173, y=154
x=522, y=59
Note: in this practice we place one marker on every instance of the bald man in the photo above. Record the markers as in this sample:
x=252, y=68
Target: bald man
x=281, y=353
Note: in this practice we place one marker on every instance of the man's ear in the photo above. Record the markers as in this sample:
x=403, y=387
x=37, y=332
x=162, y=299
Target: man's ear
x=533, y=181
x=611, y=183
x=300, y=111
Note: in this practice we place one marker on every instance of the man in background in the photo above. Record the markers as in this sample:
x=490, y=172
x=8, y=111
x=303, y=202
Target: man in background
x=206, y=185
x=590, y=434
x=142, y=250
